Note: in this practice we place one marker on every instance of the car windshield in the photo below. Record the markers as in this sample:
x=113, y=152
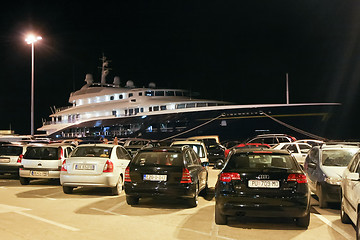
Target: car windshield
x=48, y=153
x=257, y=161
x=338, y=157
x=158, y=158
x=197, y=148
x=92, y=151
x=10, y=150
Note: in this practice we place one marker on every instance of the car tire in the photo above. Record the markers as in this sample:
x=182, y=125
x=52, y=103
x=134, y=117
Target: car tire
x=220, y=219
x=131, y=200
x=68, y=190
x=303, y=222
x=24, y=181
x=117, y=190
x=343, y=215
x=357, y=227
x=193, y=202
x=322, y=199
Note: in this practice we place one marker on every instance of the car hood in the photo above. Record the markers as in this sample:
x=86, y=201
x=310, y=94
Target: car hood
x=333, y=171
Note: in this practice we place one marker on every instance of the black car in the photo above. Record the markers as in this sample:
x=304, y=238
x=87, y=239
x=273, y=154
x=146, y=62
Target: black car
x=165, y=172
x=262, y=183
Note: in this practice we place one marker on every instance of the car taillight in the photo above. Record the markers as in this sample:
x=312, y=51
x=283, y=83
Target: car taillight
x=186, y=177
x=109, y=166
x=61, y=153
x=127, y=174
x=229, y=176
x=20, y=158
x=63, y=166
x=297, y=177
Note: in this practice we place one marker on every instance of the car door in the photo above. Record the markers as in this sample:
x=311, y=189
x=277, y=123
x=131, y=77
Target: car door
x=350, y=186
x=311, y=167
x=202, y=173
x=123, y=158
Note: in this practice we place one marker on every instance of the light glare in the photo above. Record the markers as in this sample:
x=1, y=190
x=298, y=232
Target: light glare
x=32, y=39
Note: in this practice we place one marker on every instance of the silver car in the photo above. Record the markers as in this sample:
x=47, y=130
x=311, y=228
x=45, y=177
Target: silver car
x=43, y=161
x=95, y=165
x=10, y=157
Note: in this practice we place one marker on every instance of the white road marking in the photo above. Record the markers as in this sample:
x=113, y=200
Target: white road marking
x=336, y=228
x=48, y=221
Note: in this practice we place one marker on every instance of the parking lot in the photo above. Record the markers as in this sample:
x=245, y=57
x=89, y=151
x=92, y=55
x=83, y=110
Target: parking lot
x=42, y=211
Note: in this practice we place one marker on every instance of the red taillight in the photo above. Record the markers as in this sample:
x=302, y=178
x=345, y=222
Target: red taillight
x=297, y=177
x=109, y=166
x=186, y=177
x=127, y=174
x=61, y=153
x=63, y=166
x=20, y=158
x=228, y=177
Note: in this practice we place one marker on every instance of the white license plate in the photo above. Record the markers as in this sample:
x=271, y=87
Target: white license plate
x=39, y=173
x=84, y=166
x=152, y=177
x=4, y=160
x=263, y=184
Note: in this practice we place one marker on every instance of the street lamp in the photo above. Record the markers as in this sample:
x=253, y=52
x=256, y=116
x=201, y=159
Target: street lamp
x=32, y=39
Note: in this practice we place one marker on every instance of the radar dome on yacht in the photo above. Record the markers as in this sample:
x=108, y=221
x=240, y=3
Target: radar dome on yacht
x=89, y=79
x=116, y=80
x=130, y=84
x=152, y=85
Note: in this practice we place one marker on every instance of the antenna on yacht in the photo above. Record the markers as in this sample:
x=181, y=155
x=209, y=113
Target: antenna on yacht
x=287, y=88
x=104, y=69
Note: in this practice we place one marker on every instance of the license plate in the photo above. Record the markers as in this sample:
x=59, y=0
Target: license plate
x=84, y=166
x=152, y=177
x=39, y=173
x=263, y=184
x=4, y=160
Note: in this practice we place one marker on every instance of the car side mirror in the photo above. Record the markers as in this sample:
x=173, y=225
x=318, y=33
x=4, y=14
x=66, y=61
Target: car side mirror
x=311, y=165
x=354, y=176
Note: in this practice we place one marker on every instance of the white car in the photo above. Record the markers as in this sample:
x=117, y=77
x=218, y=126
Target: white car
x=197, y=146
x=95, y=165
x=298, y=150
x=43, y=161
x=350, y=194
x=10, y=157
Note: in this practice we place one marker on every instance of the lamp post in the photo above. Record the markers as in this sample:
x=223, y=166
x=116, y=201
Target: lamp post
x=32, y=39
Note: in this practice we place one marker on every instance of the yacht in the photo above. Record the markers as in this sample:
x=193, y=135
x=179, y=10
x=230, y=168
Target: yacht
x=103, y=109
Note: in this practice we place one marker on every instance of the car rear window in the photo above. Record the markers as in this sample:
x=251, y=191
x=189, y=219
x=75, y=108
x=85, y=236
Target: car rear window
x=158, y=158
x=10, y=150
x=48, y=153
x=338, y=157
x=91, y=151
x=258, y=161
x=196, y=147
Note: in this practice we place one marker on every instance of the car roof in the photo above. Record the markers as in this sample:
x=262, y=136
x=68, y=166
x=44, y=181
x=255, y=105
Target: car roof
x=193, y=142
x=98, y=145
x=261, y=151
x=162, y=149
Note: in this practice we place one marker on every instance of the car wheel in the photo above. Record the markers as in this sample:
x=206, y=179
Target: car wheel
x=303, y=222
x=24, y=181
x=193, y=202
x=357, y=227
x=118, y=188
x=68, y=190
x=343, y=215
x=220, y=219
x=131, y=200
x=322, y=199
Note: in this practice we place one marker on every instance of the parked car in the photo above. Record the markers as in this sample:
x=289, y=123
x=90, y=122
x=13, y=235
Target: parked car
x=10, y=157
x=312, y=142
x=95, y=165
x=197, y=146
x=272, y=139
x=299, y=150
x=262, y=183
x=246, y=145
x=350, y=194
x=215, y=150
x=324, y=166
x=43, y=161
x=133, y=145
x=166, y=172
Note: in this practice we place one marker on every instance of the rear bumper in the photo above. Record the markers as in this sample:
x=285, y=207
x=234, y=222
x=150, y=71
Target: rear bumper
x=294, y=206
x=180, y=190
x=331, y=192
x=39, y=173
x=103, y=180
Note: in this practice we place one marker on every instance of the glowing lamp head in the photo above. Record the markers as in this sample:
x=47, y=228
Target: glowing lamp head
x=32, y=39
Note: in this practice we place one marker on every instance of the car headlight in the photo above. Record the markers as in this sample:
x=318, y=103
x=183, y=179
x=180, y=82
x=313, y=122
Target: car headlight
x=333, y=180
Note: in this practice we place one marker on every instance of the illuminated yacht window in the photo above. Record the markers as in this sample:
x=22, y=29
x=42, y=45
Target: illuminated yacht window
x=178, y=93
x=201, y=105
x=179, y=106
x=149, y=93
x=156, y=108
x=169, y=93
x=190, y=105
x=159, y=93
x=163, y=107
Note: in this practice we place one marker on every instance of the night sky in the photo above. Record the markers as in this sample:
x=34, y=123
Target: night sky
x=237, y=51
